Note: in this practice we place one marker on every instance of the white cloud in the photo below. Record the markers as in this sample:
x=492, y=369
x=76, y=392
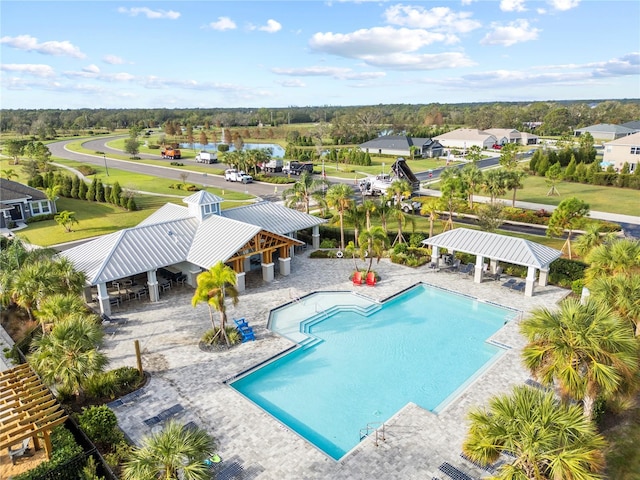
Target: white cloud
x=512, y=6
x=335, y=72
x=112, y=60
x=466, y=2
x=271, y=27
x=293, y=83
x=425, y=61
x=507, y=35
x=151, y=14
x=37, y=70
x=373, y=41
x=91, y=69
x=564, y=5
x=437, y=18
x=31, y=44
x=222, y=24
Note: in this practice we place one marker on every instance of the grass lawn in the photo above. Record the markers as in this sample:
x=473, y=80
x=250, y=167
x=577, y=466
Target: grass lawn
x=623, y=454
x=603, y=199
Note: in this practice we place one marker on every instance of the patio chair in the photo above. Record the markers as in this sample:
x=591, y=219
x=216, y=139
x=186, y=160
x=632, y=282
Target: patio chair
x=509, y=283
x=240, y=322
x=518, y=286
x=465, y=269
x=247, y=334
x=371, y=279
x=455, y=266
x=497, y=275
x=357, y=278
x=21, y=451
x=181, y=280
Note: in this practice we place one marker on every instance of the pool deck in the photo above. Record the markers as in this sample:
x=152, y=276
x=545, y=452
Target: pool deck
x=417, y=441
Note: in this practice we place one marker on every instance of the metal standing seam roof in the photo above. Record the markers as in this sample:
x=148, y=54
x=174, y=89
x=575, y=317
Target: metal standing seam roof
x=272, y=217
x=169, y=211
x=606, y=128
x=495, y=246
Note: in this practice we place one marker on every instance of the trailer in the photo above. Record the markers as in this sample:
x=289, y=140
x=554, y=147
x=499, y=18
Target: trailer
x=206, y=157
x=172, y=153
x=379, y=184
x=272, y=166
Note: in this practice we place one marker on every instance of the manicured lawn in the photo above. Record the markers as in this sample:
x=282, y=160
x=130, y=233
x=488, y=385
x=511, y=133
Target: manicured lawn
x=603, y=199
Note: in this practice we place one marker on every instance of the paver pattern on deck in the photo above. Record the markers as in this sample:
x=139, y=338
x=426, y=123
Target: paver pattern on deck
x=417, y=441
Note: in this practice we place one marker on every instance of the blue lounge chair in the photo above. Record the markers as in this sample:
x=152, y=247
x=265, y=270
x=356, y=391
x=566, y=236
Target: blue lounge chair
x=509, y=283
x=518, y=287
x=240, y=322
x=247, y=334
x=466, y=269
x=453, y=472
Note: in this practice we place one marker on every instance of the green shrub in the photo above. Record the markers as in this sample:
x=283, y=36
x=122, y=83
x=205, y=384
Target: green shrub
x=154, y=147
x=577, y=286
x=40, y=218
x=328, y=243
x=64, y=449
x=86, y=170
x=232, y=333
x=101, y=425
x=113, y=383
x=400, y=248
x=177, y=164
x=321, y=254
x=120, y=453
x=568, y=269
x=261, y=177
x=415, y=240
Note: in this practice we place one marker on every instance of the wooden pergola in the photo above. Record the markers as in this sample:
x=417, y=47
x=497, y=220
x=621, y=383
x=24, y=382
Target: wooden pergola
x=27, y=409
x=265, y=243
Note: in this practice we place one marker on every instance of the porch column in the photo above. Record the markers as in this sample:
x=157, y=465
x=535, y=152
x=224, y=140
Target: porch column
x=493, y=265
x=435, y=256
x=285, y=266
x=152, y=282
x=103, y=299
x=315, y=235
x=192, y=276
x=477, y=277
x=267, y=266
x=543, y=277
x=86, y=294
x=246, y=264
x=240, y=281
x=530, y=282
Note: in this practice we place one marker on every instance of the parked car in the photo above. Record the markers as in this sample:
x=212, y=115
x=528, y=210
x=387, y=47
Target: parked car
x=496, y=146
x=233, y=175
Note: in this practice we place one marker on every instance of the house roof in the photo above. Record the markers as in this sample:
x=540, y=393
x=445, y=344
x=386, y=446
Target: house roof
x=632, y=140
x=171, y=235
x=606, y=128
x=12, y=191
x=504, y=132
x=499, y=247
x=397, y=142
x=634, y=125
x=273, y=217
x=465, y=134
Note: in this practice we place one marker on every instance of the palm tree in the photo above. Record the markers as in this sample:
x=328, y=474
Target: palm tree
x=59, y=307
x=300, y=194
x=356, y=216
x=621, y=256
x=621, y=293
x=52, y=194
x=472, y=176
x=339, y=197
x=548, y=440
x=513, y=181
x=8, y=173
x=373, y=242
x=585, y=348
x=67, y=219
x=383, y=209
x=494, y=183
x=369, y=208
x=398, y=190
x=402, y=219
x=69, y=354
x=175, y=453
x=591, y=238
x=454, y=190
x=565, y=217
x=213, y=288
x=431, y=209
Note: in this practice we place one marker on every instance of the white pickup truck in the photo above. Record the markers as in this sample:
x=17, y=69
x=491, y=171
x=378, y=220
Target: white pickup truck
x=233, y=175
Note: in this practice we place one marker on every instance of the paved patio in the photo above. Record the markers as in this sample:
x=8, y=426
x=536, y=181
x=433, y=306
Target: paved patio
x=417, y=441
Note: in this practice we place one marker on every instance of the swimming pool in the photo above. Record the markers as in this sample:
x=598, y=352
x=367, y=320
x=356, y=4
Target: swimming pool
x=361, y=361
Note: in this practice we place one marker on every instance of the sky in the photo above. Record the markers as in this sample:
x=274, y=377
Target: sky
x=262, y=54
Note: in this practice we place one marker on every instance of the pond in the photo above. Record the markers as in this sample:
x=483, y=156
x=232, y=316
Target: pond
x=278, y=151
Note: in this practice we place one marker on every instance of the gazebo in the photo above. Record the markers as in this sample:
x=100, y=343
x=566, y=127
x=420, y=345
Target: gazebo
x=28, y=409
x=497, y=248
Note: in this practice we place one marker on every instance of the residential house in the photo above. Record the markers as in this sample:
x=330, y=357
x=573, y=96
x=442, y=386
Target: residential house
x=19, y=202
x=401, y=145
x=467, y=137
x=625, y=149
x=605, y=131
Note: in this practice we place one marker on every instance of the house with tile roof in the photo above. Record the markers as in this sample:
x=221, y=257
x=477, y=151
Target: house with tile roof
x=19, y=202
x=402, y=145
x=188, y=240
x=623, y=150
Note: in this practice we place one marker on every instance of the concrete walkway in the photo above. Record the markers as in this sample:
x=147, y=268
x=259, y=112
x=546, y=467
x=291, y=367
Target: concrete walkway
x=417, y=441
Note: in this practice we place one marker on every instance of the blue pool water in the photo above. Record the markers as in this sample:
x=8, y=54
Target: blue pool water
x=421, y=347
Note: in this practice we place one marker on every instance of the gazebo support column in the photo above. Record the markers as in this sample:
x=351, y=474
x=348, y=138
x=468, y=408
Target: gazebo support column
x=192, y=276
x=543, y=277
x=530, y=282
x=86, y=294
x=315, y=235
x=435, y=256
x=247, y=264
x=493, y=265
x=477, y=277
x=152, y=282
x=285, y=266
x=240, y=281
x=103, y=299
x=267, y=266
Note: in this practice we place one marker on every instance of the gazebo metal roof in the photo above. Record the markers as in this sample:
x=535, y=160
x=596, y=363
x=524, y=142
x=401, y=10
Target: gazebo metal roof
x=495, y=246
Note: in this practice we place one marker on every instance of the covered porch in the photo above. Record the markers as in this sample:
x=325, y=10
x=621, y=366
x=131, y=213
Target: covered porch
x=496, y=248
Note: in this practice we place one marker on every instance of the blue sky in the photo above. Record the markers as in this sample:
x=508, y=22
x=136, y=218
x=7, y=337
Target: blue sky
x=181, y=54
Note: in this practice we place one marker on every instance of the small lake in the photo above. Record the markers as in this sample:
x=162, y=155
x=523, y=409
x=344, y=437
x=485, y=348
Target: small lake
x=278, y=151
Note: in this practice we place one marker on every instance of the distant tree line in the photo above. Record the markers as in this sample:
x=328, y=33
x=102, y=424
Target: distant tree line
x=349, y=124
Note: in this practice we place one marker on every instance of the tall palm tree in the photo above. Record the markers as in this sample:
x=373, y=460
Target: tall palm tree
x=373, y=242
x=369, y=207
x=472, y=176
x=383, y=210
x=401, y=219
x=585, y=348
x=494, y=183
x=513, y=181
x=549, y=440
x=454, y=191
x=398, y=190
x=430, y=208
x=69, y=355
x=339, y=196
x=621, y=293
x=214, y=286
x=621, y=256
x=592, y=238
x=300, y=194
x=356, y=216
x=175, y=453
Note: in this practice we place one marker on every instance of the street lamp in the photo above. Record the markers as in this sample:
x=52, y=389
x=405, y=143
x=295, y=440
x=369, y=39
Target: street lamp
x=105, y=164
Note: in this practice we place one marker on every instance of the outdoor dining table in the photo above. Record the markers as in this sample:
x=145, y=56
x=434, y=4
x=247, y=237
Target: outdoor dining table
x=137, y=291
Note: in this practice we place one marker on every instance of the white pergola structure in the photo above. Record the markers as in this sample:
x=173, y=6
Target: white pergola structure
x=192, y=239
x=497, y=248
